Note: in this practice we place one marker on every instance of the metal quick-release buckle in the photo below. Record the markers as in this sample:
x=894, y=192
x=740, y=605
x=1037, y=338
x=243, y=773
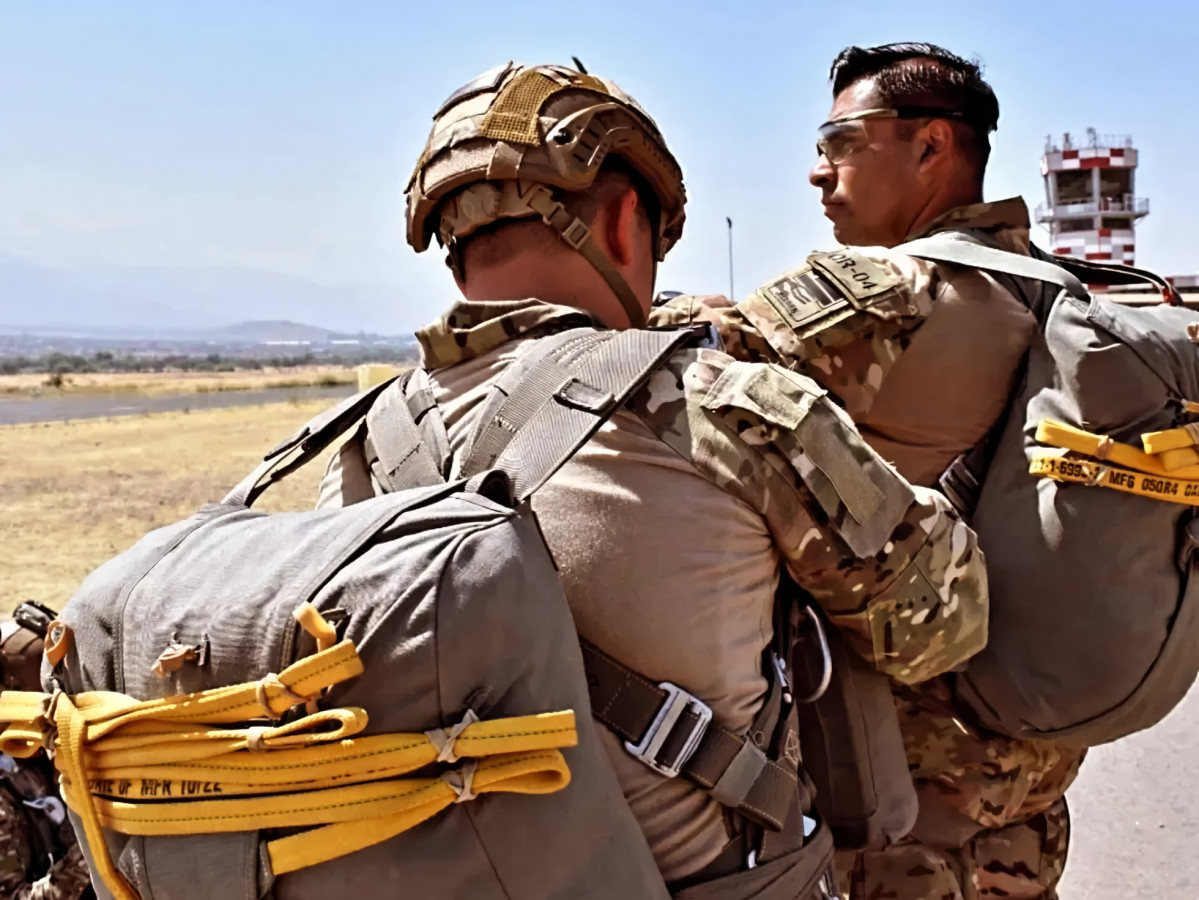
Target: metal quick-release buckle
x=660, y=729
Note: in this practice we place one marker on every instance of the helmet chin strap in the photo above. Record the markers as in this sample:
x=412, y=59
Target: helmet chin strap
x=576, y=233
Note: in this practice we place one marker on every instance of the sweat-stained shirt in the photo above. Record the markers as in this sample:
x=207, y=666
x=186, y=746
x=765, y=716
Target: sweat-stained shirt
x=670, y=525
x=924, y=357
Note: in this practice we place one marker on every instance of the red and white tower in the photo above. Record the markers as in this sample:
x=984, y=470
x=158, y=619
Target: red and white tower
x=1092, y=206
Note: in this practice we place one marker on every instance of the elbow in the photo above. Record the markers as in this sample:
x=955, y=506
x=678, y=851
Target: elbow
x=935, y=616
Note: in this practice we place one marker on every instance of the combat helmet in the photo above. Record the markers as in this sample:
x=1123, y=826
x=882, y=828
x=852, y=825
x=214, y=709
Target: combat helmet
x=510, y=142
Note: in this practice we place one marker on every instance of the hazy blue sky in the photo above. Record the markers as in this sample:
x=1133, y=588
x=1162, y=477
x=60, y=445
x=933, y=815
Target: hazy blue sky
x=278, y=135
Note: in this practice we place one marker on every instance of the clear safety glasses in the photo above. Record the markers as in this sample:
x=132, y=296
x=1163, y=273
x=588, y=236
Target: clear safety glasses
x=838, y=139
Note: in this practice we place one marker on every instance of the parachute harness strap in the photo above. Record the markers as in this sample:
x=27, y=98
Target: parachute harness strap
x=190, y=764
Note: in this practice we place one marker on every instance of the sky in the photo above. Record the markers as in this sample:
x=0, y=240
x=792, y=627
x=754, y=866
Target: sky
x=279, y=134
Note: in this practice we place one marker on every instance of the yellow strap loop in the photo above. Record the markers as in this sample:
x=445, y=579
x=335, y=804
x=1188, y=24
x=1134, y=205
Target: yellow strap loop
x=376, y=810
x=1174, y=461
x=316, y=625
x=1157, y=442
x=1067, y=437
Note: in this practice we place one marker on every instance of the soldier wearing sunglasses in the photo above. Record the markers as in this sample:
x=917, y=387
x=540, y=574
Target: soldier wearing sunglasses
x=924, y=357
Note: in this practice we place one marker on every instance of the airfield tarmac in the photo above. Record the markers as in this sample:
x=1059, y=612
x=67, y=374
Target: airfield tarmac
x=1135, y=814
x=72, y=407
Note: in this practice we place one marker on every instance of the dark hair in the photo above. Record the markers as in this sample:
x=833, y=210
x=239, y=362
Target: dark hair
x=912, y=74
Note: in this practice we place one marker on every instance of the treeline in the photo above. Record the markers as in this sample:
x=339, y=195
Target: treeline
x=107, y=361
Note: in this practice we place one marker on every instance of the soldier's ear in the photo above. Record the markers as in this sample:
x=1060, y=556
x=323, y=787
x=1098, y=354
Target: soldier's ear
x=622, y=226
x=936, y=142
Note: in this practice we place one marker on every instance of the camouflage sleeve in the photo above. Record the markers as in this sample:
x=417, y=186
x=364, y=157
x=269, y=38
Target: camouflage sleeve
x=67, y=879
x=847, y=316
x=14, y=850
x=741, y=338
x=891, y=564
x=687, y=309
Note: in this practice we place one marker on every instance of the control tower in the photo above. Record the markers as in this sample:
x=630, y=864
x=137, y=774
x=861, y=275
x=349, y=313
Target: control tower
x=1092, y=205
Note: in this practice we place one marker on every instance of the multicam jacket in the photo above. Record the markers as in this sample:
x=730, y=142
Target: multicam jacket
x=923, y=356
x=67, y=877
x=670, y=525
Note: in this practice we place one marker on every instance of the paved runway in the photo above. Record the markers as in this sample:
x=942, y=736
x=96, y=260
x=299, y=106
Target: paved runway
x=1135, y=811
x=14, y=411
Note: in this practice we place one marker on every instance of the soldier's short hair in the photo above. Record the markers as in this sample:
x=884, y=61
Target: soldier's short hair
x=918, y=74
x=486, y=246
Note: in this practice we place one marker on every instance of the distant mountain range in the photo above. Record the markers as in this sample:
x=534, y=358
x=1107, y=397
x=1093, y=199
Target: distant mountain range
x=169, y=301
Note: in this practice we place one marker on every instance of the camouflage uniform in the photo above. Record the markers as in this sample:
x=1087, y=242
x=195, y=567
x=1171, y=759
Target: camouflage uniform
x=40, y=858
x=67, y=878
x=993, y=819
x=892, y=565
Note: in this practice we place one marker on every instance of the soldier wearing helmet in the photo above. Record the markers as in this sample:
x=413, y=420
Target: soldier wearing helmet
x=490, y=158
x=555, y=196
x=39, y=856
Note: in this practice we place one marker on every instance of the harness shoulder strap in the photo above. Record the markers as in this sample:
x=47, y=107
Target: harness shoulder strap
x=562, y=392
x=956, y=247
x=672, y=732
x=1109, y=273
x=407, y=434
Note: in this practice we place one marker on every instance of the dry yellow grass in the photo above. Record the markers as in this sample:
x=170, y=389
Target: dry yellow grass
x=74, y=495
x=17, y=386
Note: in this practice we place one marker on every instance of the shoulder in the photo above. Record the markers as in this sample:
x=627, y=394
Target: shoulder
x=773, y=438
x=852, y=287
x=846, y=316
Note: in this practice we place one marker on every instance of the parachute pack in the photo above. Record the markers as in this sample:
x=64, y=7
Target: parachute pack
x=328, y=703
x=1084, y=501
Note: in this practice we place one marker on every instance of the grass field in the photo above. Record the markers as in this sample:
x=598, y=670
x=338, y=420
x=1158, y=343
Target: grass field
x=74, y=495
x=151, y=383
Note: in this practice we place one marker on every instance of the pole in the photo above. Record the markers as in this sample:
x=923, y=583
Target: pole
x=732, y=295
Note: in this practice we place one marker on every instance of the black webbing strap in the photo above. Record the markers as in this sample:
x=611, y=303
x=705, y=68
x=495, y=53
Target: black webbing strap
x=734, y=769
x=407, y=435
x=563, y=397
x=1092, y=271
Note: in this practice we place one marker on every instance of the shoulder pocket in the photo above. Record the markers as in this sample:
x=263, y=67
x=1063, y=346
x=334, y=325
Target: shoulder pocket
x=766, y=405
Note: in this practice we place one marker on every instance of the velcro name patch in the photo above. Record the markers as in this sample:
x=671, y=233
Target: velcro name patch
x=806, y=300
x=858, y=278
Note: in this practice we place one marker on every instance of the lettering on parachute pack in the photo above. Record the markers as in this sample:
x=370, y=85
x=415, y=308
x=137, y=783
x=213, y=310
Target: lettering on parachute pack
x=1098, y=474
x=829, y=288
x=153, y=787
